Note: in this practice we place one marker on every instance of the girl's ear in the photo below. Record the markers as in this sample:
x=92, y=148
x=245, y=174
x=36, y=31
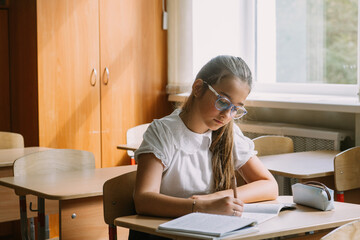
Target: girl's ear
x=197, y=87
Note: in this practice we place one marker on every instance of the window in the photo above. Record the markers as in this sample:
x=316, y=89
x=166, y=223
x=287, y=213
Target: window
x=216, y=30
x=297, y=46
x=307, y=44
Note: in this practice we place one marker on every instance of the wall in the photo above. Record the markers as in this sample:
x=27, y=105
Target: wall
x=323, y=119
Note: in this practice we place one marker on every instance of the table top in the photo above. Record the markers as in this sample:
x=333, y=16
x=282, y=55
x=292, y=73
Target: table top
x=301, y=165
x=65, y=185
x=301, y=220
x=131, y=147
x=8, y=156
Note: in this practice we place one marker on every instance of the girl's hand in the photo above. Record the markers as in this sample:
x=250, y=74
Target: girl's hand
x=225, y=206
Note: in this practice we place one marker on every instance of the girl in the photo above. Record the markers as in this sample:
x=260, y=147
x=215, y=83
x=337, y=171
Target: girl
x=187, y=159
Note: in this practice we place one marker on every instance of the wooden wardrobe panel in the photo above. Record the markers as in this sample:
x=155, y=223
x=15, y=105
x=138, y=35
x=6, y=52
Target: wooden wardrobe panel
x=5, y=118
x=133, y=48
x=23, y=70
x=68, y=51
x=151, y=83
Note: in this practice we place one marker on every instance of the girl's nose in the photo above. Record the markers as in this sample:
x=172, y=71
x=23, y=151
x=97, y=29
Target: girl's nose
x=227, y=113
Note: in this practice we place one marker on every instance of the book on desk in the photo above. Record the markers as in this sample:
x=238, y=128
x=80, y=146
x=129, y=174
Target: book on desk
x=208, y=226
x=213, y=226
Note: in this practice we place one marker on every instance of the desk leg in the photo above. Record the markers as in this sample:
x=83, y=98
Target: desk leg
x=41, y=218
x=23, y=218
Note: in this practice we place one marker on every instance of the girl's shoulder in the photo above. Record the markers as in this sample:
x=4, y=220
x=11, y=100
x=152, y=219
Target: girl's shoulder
x=167, y=126
x=237, y=130
x=168, y=122
x=240, y=138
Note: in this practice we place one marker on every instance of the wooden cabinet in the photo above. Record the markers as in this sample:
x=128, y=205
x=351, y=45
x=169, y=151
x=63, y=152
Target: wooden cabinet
x=83, y=72
x=4, y=72
x=68, y=88
x=133, y=49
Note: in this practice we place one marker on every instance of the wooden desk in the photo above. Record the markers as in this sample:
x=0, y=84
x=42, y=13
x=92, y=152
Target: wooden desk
x=131, y=147
x=79, y=194
x=301, y=165
x=8, y=156
x=298, y=221
x=9, y=203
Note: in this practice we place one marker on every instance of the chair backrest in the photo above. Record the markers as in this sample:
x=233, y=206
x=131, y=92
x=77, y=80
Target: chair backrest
x=118, y=197
x=347, y=169
x=270, y=145
x=11, y=140
x=134, y=136
x=349, y=231
x=53, y=160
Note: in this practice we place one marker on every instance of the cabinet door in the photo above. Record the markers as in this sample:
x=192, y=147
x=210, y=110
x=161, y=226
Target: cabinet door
x=133, y=49
x=68, y=55
x=4, y=72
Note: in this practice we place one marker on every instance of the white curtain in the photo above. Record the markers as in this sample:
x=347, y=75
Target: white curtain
x=199, y=30
x=180, y=46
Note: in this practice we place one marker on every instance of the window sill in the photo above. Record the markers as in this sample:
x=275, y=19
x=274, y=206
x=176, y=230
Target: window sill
x=294, y=101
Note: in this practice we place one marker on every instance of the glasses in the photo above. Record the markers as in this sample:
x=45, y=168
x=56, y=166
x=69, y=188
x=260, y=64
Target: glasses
x=223, y=104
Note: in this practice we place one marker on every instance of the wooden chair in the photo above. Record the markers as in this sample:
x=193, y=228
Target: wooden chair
x=349, y=231
x=134, y=136
x=347, y=171
x=118, y=199
x=11, y=140
x=48, y=162
x=270, y=145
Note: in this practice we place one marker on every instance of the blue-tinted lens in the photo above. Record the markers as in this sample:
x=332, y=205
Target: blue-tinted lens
x=222, y=104
x=238, y=112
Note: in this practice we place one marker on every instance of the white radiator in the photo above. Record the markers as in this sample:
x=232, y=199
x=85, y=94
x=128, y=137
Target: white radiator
x=305, y=139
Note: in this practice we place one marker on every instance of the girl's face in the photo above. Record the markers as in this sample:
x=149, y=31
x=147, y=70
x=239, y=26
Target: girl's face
x=234, y=90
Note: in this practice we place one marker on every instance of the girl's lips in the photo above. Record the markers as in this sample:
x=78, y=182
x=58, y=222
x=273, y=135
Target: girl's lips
x=219, y=122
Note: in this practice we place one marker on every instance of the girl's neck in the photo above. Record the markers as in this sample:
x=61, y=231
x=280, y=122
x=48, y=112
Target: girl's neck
x=191, y=122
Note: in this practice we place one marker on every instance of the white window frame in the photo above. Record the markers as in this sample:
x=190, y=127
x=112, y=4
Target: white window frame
x=180, y=54
x=249, y=52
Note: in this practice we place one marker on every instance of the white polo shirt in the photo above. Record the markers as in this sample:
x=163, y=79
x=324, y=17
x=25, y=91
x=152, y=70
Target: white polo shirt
x=186, y=156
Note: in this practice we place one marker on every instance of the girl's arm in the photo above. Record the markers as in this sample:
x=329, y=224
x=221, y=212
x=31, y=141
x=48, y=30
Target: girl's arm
x=261, y=185
x=149, y=201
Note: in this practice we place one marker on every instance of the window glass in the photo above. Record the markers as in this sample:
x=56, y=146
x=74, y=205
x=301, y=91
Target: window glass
x=216, y=30
x=312, y=41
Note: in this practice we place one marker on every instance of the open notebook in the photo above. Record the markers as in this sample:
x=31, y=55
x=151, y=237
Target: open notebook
x=262, y=212
x=208, y=226
x=213, y=226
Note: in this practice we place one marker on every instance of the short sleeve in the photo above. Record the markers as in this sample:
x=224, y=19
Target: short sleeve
x=243, y=148
x=157, y=140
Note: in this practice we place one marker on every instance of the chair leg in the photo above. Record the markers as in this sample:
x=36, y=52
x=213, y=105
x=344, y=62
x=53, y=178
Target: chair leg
x=23, y=218
x=41, y=218
x=340, y=196
x=132, y=161
x=112, y=232
x=32, y=229
x=47, y=230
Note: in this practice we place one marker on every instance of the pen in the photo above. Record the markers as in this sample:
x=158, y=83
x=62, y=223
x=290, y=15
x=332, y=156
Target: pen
x=233, y=183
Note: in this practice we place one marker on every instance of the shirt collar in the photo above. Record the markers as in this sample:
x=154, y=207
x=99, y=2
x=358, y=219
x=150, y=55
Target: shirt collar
x=187, y=140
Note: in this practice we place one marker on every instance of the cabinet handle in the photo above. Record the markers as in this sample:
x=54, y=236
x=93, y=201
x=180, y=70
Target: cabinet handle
x=106, y=80
x=93, y=77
